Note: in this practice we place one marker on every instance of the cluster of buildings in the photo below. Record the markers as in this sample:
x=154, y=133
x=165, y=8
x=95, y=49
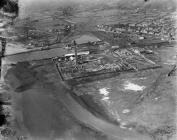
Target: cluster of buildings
x=163, y=28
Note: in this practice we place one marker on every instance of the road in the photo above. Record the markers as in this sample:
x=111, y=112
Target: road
x=34, y=55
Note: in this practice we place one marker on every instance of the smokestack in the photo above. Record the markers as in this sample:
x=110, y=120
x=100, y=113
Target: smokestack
x=75, y=50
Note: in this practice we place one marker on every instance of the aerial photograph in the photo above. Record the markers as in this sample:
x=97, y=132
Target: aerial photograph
x=88, y=70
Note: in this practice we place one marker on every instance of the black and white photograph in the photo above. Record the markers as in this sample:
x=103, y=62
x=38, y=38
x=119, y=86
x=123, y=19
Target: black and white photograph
x=88, y=70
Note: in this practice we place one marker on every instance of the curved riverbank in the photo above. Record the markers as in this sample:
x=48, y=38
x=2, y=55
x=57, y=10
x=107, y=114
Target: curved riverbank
x=58, y=91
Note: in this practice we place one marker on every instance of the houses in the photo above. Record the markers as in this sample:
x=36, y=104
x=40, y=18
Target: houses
x=144, y=31
x=131, y=25
x=151, y=33
x=117, y=28
x=152, y=27
x=141, y=37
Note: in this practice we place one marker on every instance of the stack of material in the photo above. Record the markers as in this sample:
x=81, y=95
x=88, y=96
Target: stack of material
x=133, y=59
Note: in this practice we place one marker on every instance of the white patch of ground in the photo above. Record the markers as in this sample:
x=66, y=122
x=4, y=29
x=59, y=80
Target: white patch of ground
x=126, y=111
x=104, y=91
x=131, y=86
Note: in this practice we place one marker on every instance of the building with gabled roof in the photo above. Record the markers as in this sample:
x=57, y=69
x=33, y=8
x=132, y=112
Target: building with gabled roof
x=84, y=39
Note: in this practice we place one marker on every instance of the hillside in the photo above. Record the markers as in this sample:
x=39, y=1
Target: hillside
x=151, y=4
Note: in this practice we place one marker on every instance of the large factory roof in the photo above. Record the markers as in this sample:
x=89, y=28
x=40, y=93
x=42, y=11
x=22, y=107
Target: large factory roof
x=86, y=38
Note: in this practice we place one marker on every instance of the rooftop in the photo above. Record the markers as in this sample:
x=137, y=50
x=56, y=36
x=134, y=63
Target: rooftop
x=85, y=39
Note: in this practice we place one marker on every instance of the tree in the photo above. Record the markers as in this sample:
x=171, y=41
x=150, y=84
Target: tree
x=69, y=8
x=67, y=30
x=67, y=11
x=58, y=39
